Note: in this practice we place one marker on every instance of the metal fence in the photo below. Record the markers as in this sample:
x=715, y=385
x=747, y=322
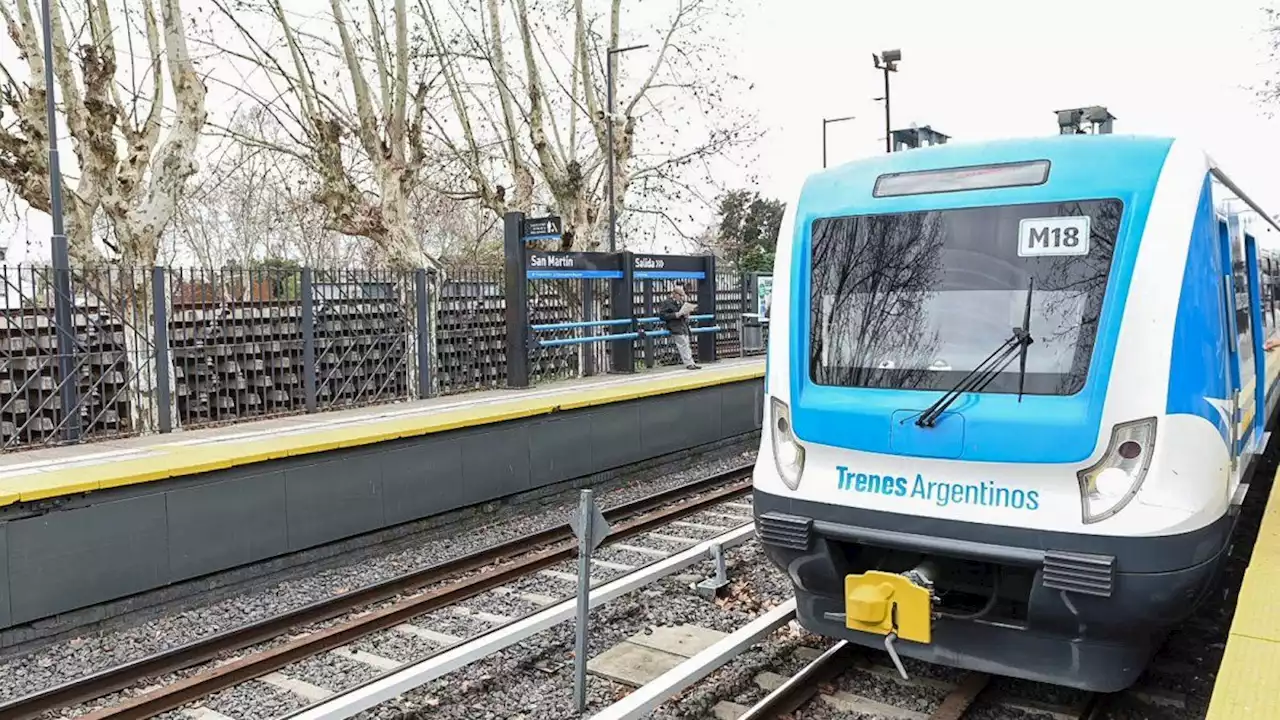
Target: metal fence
x=470, y=335
x=108, y=378
x=157, y=349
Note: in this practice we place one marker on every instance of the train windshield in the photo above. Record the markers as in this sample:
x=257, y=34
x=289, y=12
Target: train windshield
x=917, y=300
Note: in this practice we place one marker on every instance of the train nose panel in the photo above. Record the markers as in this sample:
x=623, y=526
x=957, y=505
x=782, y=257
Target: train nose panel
x=945, y=440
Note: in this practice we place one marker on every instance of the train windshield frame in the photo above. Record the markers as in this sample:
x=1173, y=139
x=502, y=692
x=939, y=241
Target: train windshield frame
x=915, y=300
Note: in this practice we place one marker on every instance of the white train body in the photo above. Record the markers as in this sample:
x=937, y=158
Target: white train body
x=1060, y=518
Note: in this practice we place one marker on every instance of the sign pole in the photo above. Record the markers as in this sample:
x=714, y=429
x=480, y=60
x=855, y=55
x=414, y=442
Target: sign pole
x=707, y=305
x=584, y=599
x=517, y=300
x=591, y=529
x=622, y=304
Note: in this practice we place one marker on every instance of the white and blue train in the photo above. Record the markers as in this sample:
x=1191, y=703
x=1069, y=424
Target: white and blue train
x=1015, y=392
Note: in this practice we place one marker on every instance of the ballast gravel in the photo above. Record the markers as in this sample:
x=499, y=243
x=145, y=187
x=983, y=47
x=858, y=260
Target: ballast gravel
x=65, y=661
x=534, y=679
x=398, y=646
x=252, y=701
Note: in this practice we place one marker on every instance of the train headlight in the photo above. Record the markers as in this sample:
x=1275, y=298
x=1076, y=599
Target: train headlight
x=788, y=455
x=1109, y=485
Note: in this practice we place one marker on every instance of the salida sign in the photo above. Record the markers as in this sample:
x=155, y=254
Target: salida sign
x=655, y=267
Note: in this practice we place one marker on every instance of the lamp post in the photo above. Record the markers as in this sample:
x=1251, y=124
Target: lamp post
x=613, y=212
x=61, y=255
x=825, y=123
x=888, y=62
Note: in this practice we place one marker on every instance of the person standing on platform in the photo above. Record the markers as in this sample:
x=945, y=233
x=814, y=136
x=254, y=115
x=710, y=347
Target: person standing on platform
x=675, y=312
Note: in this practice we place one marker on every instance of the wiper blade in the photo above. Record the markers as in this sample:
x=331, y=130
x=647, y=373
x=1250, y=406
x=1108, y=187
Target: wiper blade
x=1026, y=328
x=981, y=376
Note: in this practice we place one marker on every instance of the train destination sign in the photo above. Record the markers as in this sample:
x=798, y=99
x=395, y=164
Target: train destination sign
x=559, y=265
x=667, y=267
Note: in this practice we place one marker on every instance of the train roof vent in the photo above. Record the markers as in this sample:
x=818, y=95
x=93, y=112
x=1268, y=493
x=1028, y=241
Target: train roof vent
x=1072, y=122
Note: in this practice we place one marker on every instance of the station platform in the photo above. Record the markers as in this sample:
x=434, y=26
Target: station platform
x=83, y=525
x=1248, y=680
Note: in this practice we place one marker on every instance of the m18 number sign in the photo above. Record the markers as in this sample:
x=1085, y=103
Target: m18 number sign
x=1040, y=237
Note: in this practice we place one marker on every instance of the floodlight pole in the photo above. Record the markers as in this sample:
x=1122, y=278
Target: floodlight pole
x=888, y=62
x=58, y=245
x=825, y=123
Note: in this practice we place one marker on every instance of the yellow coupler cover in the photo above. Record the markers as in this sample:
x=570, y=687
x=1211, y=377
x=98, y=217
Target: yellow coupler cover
x=869, y=600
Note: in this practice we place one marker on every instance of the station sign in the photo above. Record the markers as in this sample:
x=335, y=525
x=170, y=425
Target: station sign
x=563, y=265
x=550, y=226
x=668, y=267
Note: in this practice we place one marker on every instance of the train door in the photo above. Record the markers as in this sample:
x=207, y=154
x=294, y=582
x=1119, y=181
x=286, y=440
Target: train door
x=1255, y=399
x=1241, y=357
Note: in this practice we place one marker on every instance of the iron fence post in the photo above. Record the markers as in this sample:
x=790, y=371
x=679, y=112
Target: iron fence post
x=424, y=333
x=160, y=314
x=308, y=340
x=648, y=312
x=517, y=301
x=588, y=349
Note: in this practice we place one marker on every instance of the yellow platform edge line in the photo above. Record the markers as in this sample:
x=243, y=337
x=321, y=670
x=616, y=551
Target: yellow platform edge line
x=1248, y=681
x=170, y=461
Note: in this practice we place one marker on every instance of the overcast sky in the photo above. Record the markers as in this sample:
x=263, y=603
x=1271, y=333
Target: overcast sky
x=983, y=69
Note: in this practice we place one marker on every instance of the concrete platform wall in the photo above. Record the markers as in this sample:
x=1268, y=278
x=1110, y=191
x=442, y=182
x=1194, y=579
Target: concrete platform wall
x=114, y=543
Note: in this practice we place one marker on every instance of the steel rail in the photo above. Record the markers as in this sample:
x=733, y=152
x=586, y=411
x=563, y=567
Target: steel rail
x=397, y=682
x=801, y=687
x=719, y=487
x=644, y=700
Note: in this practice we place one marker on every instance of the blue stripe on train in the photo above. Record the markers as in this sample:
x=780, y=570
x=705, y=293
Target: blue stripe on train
x=1198, y=372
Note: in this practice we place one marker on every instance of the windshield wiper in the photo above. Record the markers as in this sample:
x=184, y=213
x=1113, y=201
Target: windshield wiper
x=1026, y=328
x=981, y=376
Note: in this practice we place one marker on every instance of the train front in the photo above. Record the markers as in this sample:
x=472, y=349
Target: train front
x=969, y=451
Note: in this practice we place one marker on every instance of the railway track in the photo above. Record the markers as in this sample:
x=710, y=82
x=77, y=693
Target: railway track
x=816, y=682
x=391, y=605
x=849, y=681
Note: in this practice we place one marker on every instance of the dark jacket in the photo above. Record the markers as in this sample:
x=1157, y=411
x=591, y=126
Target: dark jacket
x=676, y=324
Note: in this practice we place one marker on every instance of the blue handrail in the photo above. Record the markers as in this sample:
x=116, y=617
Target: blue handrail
x=605, y=323
x=622, y=336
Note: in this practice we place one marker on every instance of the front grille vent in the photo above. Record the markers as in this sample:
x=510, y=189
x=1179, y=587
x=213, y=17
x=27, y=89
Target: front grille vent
x=788, y=531
x=1079, y=572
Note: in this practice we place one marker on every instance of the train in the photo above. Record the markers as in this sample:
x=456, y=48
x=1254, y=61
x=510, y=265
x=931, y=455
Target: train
x=1015, y=393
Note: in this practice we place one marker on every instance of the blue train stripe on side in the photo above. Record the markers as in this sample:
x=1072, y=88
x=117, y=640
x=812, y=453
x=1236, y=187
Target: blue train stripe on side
x=1198, y=381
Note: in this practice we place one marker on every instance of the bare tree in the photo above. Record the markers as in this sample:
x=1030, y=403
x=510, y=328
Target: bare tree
x=251, y=203
x=361, y=139
x=540, y=125
x=128, y=167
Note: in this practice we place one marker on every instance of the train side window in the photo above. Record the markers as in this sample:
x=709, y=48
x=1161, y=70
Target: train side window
x=1244, y=328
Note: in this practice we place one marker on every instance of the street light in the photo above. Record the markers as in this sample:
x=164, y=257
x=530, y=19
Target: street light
x=825, y=123
x=888, y=62
x=613, y=211
x=61, y=256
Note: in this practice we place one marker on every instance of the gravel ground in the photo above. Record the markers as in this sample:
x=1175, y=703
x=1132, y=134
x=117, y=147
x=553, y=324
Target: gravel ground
x=65, y=661
x=397, y=646
x=534, y=680
x=256, y=701
x=331, y=671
